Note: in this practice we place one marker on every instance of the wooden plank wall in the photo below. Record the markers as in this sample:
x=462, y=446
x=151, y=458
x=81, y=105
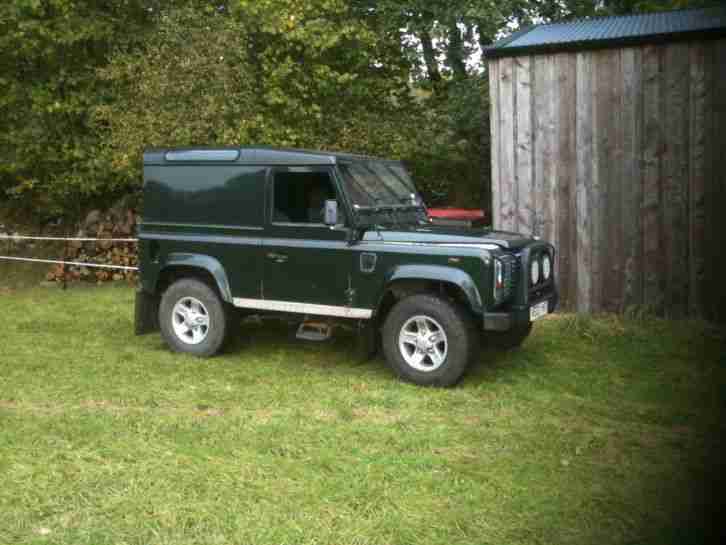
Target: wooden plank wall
x=617, y=157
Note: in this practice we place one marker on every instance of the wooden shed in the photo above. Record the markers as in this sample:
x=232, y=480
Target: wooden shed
x=609, y=140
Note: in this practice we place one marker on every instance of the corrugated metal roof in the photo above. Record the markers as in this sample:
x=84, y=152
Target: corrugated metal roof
x=613, y=31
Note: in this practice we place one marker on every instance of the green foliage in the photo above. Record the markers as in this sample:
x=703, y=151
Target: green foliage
x=49, y=51
x=278, y=72
x=86, y=85
x=568, y=9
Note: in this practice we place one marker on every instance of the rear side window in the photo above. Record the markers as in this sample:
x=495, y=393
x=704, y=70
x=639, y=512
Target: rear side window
x=197, y=194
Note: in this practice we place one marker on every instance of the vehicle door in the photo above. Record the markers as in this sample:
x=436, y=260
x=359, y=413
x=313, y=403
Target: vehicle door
x=306, y=263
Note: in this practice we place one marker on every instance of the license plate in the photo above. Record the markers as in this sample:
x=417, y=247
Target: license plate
x=538, y=310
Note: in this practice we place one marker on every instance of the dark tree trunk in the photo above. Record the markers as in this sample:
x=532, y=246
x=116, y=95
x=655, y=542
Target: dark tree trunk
x=429, y=53
x=455, y=52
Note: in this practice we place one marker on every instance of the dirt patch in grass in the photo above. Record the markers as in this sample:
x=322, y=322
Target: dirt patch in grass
x=204, y=410
x=325, y=415
x=376, y=415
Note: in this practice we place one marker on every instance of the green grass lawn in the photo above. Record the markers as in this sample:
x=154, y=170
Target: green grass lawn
x=595, y=431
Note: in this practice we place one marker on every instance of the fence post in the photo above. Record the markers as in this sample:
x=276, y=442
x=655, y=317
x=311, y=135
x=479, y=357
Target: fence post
x=63, y=266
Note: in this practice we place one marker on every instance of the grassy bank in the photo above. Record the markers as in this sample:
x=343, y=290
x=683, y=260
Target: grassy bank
x=596, y=431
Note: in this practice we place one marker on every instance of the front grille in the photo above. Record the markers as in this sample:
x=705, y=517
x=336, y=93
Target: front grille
x=516, y=272
x=519, y=289
x=511, y=275
x=517, y=266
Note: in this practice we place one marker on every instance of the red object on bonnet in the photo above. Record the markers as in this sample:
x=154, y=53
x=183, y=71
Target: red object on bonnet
x=469, y=214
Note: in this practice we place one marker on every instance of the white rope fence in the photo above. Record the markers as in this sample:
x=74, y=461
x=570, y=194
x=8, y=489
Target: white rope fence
x=66, y=240
x=72, y=263
x=70, y=239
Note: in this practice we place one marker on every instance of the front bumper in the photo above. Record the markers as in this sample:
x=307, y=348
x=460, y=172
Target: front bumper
x=517, y=315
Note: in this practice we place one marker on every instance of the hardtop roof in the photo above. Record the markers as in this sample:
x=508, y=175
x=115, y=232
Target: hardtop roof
x=251, y=155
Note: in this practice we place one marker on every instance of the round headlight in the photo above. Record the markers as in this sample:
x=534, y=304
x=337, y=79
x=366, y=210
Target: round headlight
x=546, y=267
x=534, y=272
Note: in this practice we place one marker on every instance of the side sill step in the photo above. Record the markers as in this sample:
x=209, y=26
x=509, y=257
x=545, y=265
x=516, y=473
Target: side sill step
x=314, y=331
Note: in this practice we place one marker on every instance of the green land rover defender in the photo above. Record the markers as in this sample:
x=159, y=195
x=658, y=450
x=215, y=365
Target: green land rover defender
x=228, y=232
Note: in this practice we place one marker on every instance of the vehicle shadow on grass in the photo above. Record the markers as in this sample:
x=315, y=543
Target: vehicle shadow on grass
x=344, y=354
x=274, y=339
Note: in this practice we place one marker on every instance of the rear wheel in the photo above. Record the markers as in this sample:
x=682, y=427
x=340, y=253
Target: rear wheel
x=428, y=340
x=193, y=319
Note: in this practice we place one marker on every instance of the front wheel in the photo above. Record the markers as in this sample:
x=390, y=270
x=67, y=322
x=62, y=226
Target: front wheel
x=428, y=340
x=193, y=319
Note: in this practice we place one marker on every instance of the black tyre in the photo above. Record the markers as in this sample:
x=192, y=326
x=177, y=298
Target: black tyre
x=506, y=340
x=193, y=319
x=428, y=340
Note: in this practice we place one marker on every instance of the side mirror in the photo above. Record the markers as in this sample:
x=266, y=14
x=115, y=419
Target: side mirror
x=331, y=212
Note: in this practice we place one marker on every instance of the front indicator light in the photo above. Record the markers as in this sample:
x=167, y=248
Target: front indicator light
x=500, y=281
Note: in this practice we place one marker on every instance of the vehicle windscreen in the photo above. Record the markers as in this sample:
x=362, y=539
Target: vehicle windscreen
x=376, y=183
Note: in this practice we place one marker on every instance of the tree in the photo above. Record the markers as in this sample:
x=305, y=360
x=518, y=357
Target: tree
x=274, y=72
x=86, y=85
x=49, y=52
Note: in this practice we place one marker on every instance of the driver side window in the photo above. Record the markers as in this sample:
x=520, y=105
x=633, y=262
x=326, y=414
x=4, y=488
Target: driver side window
x=299, y=197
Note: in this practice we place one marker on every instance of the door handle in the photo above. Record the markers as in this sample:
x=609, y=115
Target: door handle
x=277, y=258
